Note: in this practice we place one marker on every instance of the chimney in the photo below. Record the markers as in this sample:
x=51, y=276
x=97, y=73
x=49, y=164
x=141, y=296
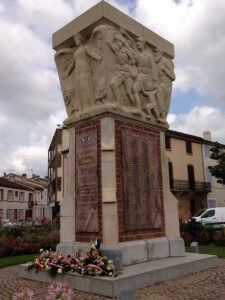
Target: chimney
x=207, y=135
x=24, y=175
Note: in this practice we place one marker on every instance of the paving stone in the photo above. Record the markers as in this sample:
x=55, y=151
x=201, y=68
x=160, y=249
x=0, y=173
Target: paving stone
x=206, y=285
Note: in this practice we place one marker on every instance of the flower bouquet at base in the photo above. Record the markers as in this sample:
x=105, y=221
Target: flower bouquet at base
x=93, y=263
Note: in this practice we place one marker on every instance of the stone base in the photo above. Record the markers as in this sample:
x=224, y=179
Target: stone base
x=130, y=253
x=132, y=277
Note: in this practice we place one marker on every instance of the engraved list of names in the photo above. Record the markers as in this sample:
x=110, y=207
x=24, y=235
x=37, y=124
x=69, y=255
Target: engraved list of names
x=86, y=187
x=141, y=188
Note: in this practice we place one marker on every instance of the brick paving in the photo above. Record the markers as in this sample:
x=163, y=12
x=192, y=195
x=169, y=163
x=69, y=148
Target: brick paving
x=206, y=285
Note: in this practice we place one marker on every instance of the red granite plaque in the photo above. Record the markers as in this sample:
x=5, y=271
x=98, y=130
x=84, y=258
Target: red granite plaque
x=86, y=186
x=141, y=188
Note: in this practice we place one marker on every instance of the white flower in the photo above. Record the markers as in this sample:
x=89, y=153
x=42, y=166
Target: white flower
x=59, y=271
x=41, y=250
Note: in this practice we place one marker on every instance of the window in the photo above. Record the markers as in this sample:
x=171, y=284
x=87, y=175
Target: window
x=206, y=150
x=208, y=176
x=15, y=214
x=21, y=214
x=209, y=214
x=9, y=214
x=10, y=196
x=168, y=142
x=1, y=213
x=189, y=147
x=16, y=193
x=171, y=174
x=21, y=197
x=1, y=194
x=211, y=203
x=30, y=197
x=191, y=177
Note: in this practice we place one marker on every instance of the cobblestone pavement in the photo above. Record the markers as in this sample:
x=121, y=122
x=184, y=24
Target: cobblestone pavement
x=206, y=285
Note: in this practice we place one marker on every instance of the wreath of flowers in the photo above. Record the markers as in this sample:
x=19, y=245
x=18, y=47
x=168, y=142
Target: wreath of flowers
x=93, y=263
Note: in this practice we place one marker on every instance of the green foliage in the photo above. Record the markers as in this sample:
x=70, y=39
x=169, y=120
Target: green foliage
x=194, y=231
x=27, y=239
x=184, y=227
x=16, y=260
x=11, y=231
x=218, y=170
x=209, y=249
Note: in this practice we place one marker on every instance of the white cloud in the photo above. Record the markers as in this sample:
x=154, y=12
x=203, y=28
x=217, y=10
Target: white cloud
x=29, y=85
x=26, y=147
x=31, y=104
x=25, y=158
x=42, y=16
x=81, y=6
x=198, y=120
x=2, y=8
x=197, y=29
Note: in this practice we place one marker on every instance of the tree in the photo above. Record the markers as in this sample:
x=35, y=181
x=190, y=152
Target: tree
x=218, y=154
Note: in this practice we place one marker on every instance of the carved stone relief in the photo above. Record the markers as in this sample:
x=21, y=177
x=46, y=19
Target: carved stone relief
x=115, y=70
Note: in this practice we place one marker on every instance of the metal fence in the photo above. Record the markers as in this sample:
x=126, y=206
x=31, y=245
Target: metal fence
x=185, y=185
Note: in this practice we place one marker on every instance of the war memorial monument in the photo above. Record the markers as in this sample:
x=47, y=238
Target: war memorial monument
x=116, y=78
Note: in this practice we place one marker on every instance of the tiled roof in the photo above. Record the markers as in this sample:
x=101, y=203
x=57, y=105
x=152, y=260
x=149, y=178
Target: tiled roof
x=13, y=185
x=190, y=137
x=30, y=185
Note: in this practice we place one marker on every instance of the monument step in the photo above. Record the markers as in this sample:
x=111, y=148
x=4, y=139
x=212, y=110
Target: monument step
x=132, y=277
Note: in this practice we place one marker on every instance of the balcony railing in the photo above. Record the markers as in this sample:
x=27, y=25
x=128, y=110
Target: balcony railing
x=185, y=185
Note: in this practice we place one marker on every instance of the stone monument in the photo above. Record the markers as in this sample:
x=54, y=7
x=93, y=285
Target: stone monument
x=116, y=78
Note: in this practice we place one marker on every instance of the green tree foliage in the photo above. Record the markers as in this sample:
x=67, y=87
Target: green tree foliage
x=218, y=171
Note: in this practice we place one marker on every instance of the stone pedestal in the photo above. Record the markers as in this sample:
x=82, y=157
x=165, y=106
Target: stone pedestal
x=119, y=192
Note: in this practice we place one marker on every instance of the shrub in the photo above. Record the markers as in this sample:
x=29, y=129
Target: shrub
x=27, y=244
x=194, y=231
x=219, y=239
x=188, y=239
x=14, y=231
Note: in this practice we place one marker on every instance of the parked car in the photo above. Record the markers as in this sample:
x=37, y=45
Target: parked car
x=211, y=216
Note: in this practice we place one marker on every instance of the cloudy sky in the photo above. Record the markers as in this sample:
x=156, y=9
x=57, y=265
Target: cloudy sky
x=31, y=103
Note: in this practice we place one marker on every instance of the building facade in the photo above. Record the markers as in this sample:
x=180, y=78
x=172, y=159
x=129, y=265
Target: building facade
x=186, y=171
x=188, y=161
x=16, y=200
x=39, y=186
x=57, y=153
x=216, y=198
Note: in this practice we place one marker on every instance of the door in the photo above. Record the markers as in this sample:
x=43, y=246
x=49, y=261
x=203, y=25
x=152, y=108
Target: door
x=191, y=177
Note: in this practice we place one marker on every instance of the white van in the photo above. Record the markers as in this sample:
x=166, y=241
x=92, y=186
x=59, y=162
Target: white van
x=213, y=216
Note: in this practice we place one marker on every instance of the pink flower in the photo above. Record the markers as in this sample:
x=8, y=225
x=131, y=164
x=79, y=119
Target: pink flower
x=23, y=294
x=60, y=291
